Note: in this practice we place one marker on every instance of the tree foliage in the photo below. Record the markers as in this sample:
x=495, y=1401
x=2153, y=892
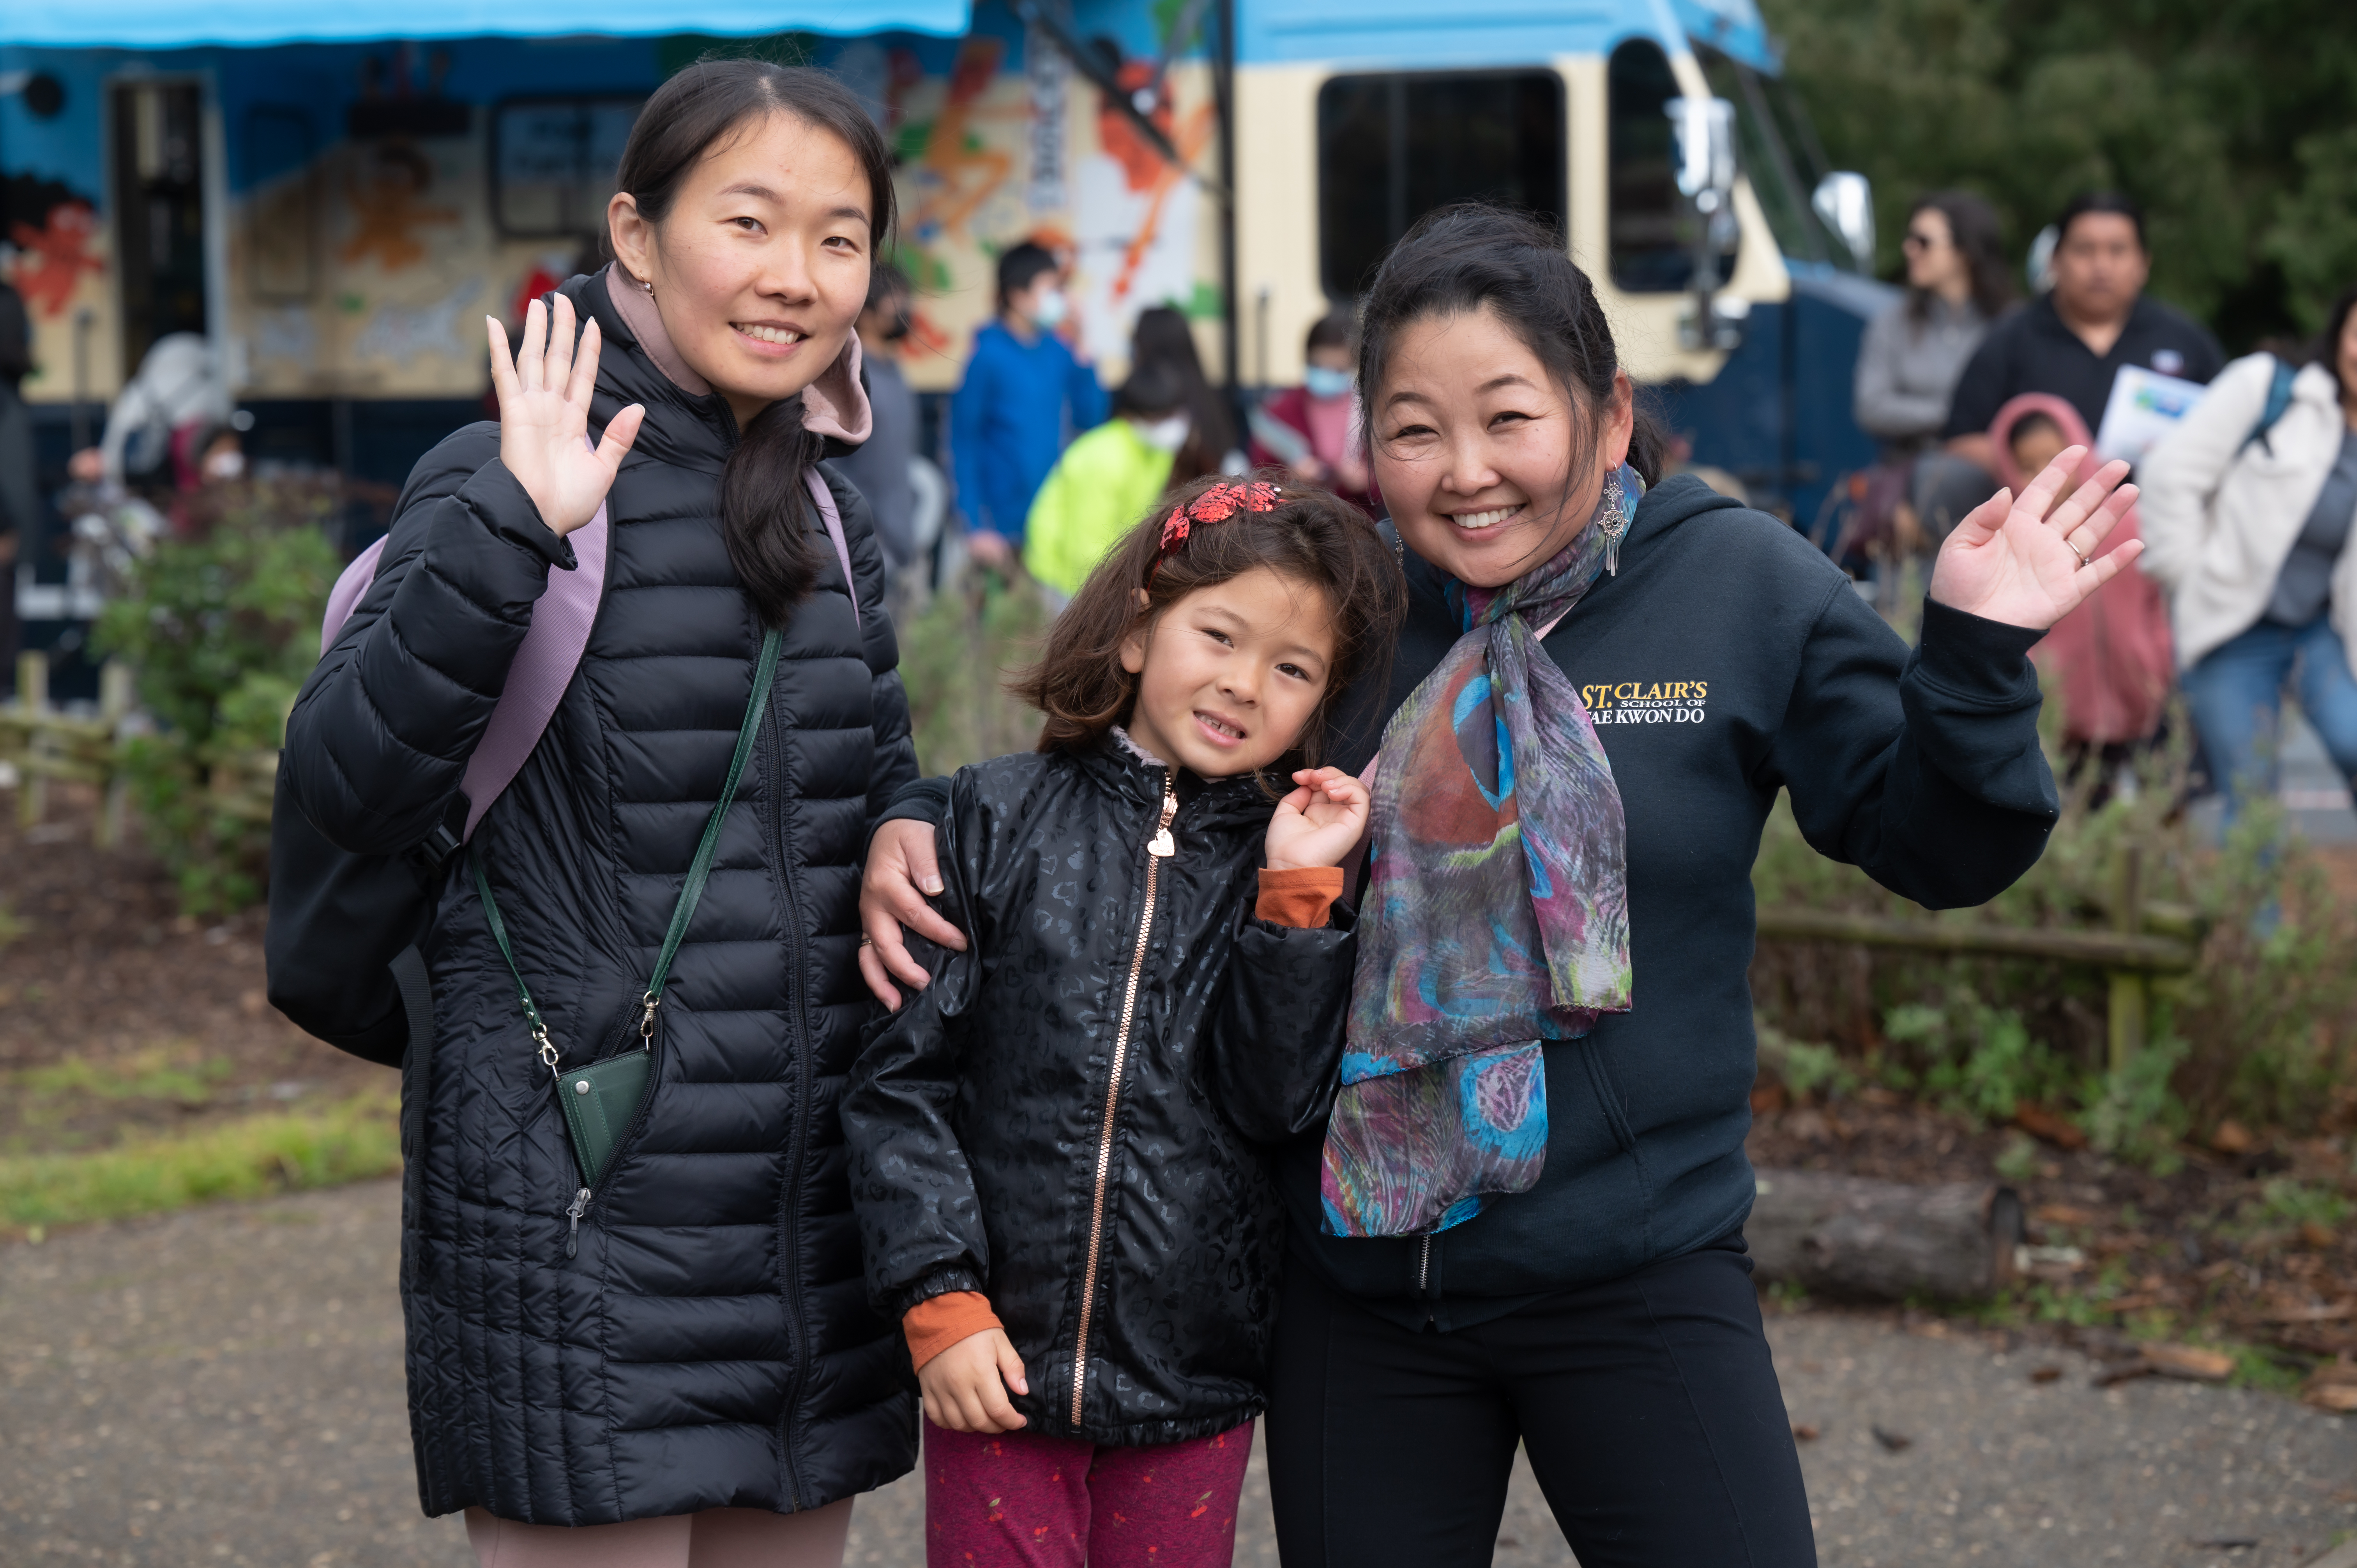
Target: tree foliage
x=2227, y=119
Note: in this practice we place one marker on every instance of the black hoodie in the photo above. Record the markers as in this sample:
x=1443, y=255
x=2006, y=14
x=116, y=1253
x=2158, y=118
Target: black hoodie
x=1727, y=659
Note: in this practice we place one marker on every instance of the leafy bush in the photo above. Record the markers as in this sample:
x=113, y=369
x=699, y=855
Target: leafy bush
x=955, y=660
x=221, y=629
x=2264, y=1028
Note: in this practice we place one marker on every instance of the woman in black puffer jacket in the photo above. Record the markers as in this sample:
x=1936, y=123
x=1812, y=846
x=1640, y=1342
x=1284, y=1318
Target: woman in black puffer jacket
x=696, y=1336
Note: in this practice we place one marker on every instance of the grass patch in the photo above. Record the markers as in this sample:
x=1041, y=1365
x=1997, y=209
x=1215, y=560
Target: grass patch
x=281, y=1151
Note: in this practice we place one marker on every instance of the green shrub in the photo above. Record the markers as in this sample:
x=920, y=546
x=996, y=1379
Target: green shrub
x=221, y=630
x=2262, y=1029
x=955, y=660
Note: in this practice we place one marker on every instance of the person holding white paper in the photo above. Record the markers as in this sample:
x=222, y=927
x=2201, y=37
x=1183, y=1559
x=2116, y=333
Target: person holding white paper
x=2074, y=341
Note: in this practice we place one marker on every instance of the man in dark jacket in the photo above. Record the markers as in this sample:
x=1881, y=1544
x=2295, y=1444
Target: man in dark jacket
x=2073, y=341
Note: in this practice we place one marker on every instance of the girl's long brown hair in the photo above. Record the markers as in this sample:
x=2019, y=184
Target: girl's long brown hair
x=1311, y=537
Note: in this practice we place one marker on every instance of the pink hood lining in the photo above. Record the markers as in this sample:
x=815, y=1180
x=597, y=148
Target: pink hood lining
x=834, y=406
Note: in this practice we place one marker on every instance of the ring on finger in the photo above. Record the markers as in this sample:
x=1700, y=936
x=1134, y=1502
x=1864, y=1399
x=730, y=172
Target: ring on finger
x=2081, y=554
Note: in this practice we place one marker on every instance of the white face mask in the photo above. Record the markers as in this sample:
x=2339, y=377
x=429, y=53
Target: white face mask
x=1050, y=312
x=225, y=465
x=1323, y=382
x=1167, y=434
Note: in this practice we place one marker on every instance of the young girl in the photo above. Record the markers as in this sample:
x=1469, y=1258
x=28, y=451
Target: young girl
x=1052, y=1148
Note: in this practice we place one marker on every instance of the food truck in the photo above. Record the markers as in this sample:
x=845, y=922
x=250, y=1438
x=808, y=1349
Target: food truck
x=336, y=196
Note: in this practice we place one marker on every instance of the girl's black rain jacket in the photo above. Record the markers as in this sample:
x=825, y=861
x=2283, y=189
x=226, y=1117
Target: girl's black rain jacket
x=709, y=1343
x=1069, y=1118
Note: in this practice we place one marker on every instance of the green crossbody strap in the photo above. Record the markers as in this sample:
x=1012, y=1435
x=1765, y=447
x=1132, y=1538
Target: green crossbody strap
x=699, y=870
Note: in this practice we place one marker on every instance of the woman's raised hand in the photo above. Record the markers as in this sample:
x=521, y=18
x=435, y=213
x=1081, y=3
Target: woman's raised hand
x=544, y=392
x=1320, y=822
x=2028, y=563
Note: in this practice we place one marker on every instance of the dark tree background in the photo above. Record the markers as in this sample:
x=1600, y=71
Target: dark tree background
x=2234, y=122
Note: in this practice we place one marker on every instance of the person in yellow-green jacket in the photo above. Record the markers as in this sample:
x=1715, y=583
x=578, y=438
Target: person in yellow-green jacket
x=1106, y=480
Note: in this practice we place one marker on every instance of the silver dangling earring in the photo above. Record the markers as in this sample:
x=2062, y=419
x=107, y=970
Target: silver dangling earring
x=646, y=286
x=1615, y=522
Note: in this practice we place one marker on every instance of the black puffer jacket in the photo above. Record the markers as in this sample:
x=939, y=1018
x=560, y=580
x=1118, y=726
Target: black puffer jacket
x=711, y=1343
x=977, y=1113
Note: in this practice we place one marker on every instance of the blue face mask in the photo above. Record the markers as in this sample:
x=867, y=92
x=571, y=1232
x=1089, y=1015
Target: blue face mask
x=1322, y=381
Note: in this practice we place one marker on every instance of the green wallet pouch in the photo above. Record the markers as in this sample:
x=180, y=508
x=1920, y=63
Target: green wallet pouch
x=602, y=1100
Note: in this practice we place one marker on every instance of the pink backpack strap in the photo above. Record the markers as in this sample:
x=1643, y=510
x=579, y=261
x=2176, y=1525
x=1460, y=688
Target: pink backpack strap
x=545, y=662
x=351, y=584
x=826, y=509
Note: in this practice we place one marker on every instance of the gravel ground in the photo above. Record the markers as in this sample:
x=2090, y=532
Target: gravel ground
x=223, y=1386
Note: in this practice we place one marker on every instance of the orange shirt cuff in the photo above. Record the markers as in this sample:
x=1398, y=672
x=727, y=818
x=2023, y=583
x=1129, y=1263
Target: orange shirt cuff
x=938, y=1322
x=1302, y=897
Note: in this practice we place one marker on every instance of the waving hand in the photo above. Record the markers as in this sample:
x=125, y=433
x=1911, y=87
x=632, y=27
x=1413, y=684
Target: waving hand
x=2028, y=563
x=545, y=416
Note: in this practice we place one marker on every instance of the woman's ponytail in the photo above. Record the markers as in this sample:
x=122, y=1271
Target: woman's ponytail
x=766, y=514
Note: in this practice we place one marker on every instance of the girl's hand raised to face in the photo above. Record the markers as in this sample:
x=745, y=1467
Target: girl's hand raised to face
x=1319, y=822
x=545, y=416
x=2028, y=563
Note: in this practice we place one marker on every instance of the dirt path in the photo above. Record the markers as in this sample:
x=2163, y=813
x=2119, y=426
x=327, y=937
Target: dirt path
x=223, y=1386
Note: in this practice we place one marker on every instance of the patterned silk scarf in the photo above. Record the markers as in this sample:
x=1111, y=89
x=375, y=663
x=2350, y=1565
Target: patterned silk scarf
x=1495, y=916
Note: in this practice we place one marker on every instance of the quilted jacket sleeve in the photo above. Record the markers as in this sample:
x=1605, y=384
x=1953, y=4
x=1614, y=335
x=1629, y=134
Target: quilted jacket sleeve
x=895, y=747
x=1276, y=1039
x=381, y=733
x=919, y=1215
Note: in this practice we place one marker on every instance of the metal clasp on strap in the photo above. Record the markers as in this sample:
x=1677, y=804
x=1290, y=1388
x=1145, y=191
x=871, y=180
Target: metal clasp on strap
x=647, y=1024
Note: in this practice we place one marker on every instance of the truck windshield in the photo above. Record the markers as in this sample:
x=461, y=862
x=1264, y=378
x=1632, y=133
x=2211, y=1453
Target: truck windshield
x=1393, y=146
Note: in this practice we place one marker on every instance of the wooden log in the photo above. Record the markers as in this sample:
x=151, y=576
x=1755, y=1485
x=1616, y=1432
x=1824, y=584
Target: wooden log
x=1882, y=1241
x=2106, y=949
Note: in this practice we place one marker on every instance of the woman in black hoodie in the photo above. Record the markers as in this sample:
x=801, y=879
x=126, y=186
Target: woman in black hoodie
x=664, y=1334
x=1574, y=1280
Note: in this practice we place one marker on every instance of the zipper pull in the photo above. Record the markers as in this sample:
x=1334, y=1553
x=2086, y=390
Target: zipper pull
x=647, y=1024
x=1163, y=846
x=574, y=1211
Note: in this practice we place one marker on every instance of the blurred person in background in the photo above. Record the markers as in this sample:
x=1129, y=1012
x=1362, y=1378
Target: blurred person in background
x=2247, y=509
x=880, y=468
x=1024, y=396
x=1957, y=284
x=1108, y=478
x=1163, y=336
x=1314, y=429
x=2073, y=341
x=2111, y=657
x=20, y=501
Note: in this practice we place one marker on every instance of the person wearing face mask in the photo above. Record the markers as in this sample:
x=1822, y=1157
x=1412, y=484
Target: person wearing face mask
x=1024, y=396
x=1108, y=478
x=880, y=468
x=1313, y=429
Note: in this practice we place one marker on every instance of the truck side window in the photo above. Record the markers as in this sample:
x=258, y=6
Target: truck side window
x=1396, y=145
x=1651, y=253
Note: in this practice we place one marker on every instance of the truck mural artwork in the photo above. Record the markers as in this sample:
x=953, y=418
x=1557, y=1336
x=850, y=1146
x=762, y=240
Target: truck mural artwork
x=336, y=209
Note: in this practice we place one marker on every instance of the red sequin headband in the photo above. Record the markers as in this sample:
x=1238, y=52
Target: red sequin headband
x=1217, y=504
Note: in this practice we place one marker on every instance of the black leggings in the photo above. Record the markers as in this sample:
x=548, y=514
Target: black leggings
x=1648, y=1406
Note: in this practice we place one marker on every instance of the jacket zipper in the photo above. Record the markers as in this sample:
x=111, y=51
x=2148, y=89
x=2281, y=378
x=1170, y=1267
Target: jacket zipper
x=1161, y=847
x=792, y=1231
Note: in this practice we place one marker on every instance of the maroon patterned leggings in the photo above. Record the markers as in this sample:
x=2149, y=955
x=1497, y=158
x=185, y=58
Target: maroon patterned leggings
x=1014, y=1500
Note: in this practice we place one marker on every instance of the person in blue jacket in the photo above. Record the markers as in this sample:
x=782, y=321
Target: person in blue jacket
x=1024, y=396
